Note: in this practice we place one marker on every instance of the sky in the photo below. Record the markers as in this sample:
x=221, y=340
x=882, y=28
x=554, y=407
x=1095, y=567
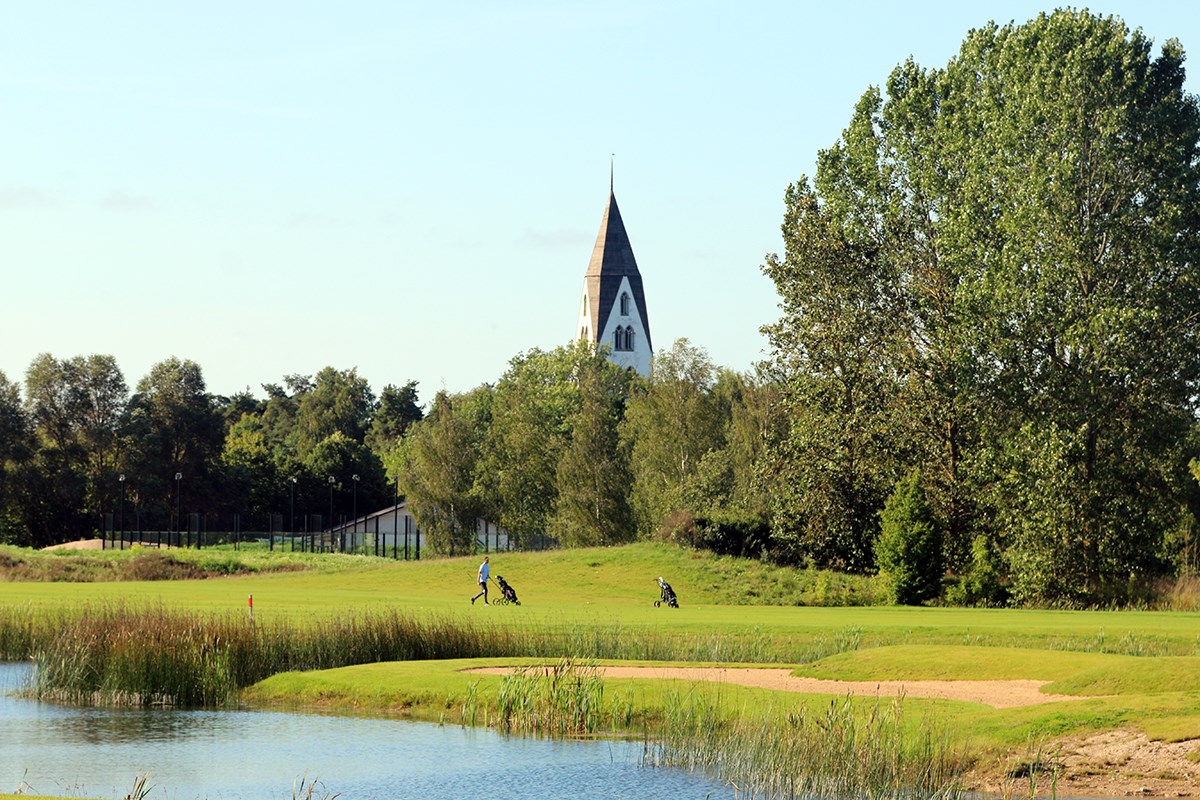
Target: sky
x=414, y=189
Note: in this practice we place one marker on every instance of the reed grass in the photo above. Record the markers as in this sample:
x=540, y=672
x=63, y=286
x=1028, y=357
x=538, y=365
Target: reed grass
x=114, y=655
x=123, y=655
x=561, y=699
x=838, y=753
x=845, y=750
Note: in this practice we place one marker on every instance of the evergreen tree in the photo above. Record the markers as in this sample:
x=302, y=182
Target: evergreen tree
x=909, y=550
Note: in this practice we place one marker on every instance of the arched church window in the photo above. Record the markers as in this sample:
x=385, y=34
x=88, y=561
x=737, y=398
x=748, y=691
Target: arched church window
x=628, y=338
x=619, y=340
x=624, y=304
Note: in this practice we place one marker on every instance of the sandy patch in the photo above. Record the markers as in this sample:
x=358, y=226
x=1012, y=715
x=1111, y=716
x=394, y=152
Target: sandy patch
x=997, y=694
x=82, y=544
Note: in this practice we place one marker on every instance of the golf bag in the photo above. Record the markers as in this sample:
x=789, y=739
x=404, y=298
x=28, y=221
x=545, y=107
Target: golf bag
x=666, y=595
x=510, y=594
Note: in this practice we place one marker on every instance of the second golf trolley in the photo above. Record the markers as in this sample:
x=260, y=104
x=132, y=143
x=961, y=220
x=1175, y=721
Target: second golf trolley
x=666, y=595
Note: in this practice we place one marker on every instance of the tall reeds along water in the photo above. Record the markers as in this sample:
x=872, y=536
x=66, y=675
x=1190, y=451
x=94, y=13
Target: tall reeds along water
x=840, y=752
x=561, y=699
x=113, y=655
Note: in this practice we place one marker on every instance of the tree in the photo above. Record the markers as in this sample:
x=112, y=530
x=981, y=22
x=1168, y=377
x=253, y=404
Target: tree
x=338, y=400
x=909, y=550
x=592, y=503
x=252, y=481
x=173, y=427
x=398, y=409
x=76, y=406
x=342, y=458
x=535, y=402
x=436, y=468
x=998, y=249
x=15, y=448
x=1092, y=305
x=673, y=419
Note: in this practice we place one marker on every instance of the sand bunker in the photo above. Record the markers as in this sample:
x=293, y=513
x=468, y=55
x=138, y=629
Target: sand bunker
x=997, y=694
x=82, y=544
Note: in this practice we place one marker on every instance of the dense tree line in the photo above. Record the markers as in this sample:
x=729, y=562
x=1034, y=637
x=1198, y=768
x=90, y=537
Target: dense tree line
x=568, y=448
x=76, y=446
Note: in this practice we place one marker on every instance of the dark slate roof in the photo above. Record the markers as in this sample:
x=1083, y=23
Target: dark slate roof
x=612, y=260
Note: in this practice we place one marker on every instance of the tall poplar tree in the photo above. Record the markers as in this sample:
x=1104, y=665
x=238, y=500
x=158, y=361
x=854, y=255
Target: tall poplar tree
x=994, y=269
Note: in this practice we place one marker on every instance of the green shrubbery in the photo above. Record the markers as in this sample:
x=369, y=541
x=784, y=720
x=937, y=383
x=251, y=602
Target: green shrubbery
x=909, y=550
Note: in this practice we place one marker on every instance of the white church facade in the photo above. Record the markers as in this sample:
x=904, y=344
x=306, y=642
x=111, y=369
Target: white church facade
x=613, y=308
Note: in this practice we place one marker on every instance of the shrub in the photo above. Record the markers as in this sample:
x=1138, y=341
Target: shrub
x=981, y=585
x=909, y=550
x=725, y=532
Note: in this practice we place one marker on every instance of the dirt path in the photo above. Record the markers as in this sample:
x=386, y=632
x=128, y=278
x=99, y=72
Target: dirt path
x=997, y=694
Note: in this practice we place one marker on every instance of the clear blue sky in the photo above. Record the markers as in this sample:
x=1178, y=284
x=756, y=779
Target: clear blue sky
x=414, y=189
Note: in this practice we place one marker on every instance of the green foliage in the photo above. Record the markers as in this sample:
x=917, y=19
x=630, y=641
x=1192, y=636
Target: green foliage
x=436, y=471
x=340, y=401
x=592, y=506
x=1071, y=538
x=726, y=532
x=834, y=347
x=999, y=248
x=535, y=403
x=909, y=550
x=396, y=411
x=173, y=426
x=250, y=470
x=981, y=584
x=673, y=419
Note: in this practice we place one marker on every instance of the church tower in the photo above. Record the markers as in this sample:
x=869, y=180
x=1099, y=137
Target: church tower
x=613, y=309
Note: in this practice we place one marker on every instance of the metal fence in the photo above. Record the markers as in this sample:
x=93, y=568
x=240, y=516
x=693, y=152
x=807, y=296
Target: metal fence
x=391, y=533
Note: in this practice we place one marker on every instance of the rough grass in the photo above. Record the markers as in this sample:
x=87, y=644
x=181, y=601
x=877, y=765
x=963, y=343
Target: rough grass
x=146, y=564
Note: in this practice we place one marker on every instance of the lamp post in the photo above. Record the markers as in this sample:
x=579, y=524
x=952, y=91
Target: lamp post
x=121, y=515
x=292, y=510
x=354, y=511
x=178, y=518
x=396, y=528
x=331, y=512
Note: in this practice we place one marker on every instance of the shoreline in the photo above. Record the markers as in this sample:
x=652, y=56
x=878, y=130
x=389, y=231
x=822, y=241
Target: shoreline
x=1115, y=763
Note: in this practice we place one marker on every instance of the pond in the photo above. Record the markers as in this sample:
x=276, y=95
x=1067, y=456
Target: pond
x=235, y=755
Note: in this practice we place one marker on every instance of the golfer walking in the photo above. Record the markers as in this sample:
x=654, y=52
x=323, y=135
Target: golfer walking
x=484, y=572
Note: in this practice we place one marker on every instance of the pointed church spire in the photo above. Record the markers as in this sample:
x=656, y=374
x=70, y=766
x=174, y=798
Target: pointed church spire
x=613, y=309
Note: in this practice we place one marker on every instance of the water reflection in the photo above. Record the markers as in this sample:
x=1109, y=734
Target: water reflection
x=47, y=749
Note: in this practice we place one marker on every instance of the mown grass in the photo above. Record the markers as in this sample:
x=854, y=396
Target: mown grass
x=329, y=638
x=612, y=589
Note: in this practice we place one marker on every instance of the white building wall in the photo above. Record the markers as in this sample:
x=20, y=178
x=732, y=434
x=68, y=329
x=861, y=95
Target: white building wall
x=583, y=328
x=639, y=357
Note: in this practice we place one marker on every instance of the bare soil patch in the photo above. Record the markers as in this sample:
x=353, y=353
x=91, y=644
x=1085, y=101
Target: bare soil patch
x=1118, y=763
